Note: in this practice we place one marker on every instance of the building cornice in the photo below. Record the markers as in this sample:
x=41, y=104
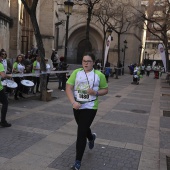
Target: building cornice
x=6, y=18
x=47, y=36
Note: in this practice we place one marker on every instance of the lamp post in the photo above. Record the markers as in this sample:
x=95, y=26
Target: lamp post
x=124, y=49
x=68, y=6
x=145, y=58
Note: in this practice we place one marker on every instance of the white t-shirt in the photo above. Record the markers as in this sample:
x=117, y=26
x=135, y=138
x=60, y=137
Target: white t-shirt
x=4, y=62
x=48, y=68
x=83, y=81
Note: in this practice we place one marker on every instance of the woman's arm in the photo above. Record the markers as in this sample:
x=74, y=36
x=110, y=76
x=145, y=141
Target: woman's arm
x=14, y=70
x=3, y=75
x=69, y=92
x=100, y=92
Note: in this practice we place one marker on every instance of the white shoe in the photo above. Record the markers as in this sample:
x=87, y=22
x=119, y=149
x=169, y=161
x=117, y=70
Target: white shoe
x=62, y=90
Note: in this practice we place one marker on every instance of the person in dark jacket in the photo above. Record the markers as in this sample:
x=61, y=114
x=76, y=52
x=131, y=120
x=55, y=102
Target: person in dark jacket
x=62, y=76
x=55, y=59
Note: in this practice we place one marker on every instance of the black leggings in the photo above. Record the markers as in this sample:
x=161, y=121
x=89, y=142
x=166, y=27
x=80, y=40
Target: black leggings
x=4, y=101
x=84, y=119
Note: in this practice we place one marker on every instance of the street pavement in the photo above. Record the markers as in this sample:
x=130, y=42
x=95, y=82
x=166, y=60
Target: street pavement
x=132, y=126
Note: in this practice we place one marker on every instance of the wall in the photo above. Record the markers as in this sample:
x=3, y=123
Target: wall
x=46, y=25
x=4, y=26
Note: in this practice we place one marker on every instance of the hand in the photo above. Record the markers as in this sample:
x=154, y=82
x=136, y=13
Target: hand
x=91, y=92
x=76, y=105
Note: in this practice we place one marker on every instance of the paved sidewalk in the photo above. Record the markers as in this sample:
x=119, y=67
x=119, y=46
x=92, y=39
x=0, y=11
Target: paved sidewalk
x=132, y=133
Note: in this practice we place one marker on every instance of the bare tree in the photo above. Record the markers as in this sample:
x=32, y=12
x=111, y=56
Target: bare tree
x=121, y=20
x=31, y=9
x=156, y=18
x=90, y=7
x=103, y=14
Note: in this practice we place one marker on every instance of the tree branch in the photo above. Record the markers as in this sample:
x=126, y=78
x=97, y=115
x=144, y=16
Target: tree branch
x=34, y=5
x=26, y=6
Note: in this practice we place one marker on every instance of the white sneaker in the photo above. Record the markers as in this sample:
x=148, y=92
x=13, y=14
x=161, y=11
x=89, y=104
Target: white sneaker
x=62, y=90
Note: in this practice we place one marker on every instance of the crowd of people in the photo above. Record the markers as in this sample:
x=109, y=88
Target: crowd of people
x=83, y=88
x=147, y=69
x=30, y=63
x=139, y=70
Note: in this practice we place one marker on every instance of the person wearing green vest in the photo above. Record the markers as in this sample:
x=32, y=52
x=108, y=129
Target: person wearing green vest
x=3, y=97
x=36, y=70
x=19, y=68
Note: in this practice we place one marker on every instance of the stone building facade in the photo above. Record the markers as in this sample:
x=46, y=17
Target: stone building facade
x=5, y=24
x=52, y=24
x=76, y=38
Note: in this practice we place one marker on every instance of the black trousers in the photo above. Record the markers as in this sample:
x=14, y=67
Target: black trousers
x=62, y=81
x=107, y=77
x=19, y=89
x=48, y=76
x=4, y=101
x=147, y=73
x=142, y=72
x=84, y=119
x=36, y=81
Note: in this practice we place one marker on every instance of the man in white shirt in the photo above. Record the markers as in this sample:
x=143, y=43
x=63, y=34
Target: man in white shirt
x=6, y=63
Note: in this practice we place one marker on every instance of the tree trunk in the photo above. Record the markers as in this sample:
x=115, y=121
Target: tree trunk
x=167, y=59
x=88, y=28
x=32, y=13
x=41, y=51
x=103, y=51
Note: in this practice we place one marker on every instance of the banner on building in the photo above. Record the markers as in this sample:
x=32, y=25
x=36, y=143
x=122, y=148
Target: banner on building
x=153, y=64
x=162, y=54
x=107, y=49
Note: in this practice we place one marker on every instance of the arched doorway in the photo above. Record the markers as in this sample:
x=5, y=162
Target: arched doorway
x=83, y=46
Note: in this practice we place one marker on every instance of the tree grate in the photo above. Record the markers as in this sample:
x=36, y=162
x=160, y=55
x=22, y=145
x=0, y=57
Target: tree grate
x=166, y=87
x=166, y=113
x=163, y=94
x=168, y=162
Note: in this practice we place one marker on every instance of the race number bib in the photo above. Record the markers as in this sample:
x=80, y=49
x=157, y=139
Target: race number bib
x=83, y=96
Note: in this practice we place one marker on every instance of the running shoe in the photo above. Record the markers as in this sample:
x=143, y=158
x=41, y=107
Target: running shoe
x=91, y=143
x=76, y=165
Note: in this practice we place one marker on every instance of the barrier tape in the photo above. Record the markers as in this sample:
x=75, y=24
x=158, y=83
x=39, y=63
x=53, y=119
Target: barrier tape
x=37, y=74
x=51, y=72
